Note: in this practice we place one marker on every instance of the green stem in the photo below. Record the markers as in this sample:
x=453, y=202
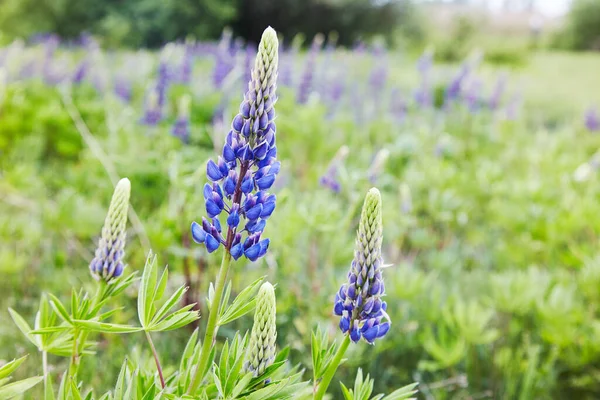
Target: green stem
x=211, y=325
x=330, y=371
x=156, y=360
x=74, y=364
x=45, y=369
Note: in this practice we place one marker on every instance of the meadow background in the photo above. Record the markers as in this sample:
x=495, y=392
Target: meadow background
x=480, y=128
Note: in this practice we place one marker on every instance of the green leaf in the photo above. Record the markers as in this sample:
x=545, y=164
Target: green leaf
x=17, y=388
x=176, y=320
x=403, y=393
x=75, y=394
x=48, y=389
x=23, y=327
x=10, y=367
x=243, y=303
x=50, y=329
x=146, y=289
x=105, y=327
x=120, y=386
x=173, y=300
x=59, y=308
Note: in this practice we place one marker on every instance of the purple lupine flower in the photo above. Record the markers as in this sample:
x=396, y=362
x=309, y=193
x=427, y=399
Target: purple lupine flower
x=472, y=95
x=423, y=96
x=122, y=88
x=152, y=111
x=592, y=120
x=306, y=82
x=288, y=59
x=454, y=89
x=162, y=82
x=497, y=93
x=358, y=302
x=187, y=64
x=224, y=62
x=379, y=73
x=81, y=71
x=398, y=107
x=181, y=127
x=247, y=167
x=513, y=107
x=330, y=179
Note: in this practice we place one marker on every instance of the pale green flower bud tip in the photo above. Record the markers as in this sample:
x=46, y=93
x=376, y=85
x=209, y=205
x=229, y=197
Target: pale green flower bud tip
x=372, y=204
x=266, y=289
x=269, y=38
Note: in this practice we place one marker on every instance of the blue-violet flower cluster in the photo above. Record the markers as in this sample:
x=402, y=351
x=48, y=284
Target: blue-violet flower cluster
x=358, y=302
x=247, y=168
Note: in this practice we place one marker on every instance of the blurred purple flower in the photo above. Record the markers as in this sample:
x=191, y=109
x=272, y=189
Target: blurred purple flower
x=306, y=81
x=592, y=120
x=498, y=92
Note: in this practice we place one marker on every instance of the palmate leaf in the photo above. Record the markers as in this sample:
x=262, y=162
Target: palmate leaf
x=243, y=303
x=364, y=387
x=151, y=291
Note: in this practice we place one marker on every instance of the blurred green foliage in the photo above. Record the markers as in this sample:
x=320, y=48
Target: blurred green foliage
x=582, y=28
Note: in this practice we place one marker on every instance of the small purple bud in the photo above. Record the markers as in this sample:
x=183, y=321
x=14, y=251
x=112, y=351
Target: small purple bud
x=351, y=292
x=234, y=217
x=265, y=182
x=228, y=153
x=213, y=172
x=344, y=324
x=383, y=329
x=267, y=208
x=245, y=109
x=260, y=151
x=256, y=226
x=247, y=184
x=355, y=332
x=217, y=224
x=371, y=334
x=198, y=234
x=212, y=244
x=212, y=209
x=237, y=251
x=207, y=191
x=254, y=213
x=238, y=123
x=338, y=308
x=252, y=252
x=230, y=182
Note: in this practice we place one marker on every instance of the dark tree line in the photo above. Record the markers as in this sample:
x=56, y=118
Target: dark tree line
x=151, y=23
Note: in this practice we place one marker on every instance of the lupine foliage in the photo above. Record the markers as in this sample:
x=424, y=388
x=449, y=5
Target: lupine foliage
x=489, y=219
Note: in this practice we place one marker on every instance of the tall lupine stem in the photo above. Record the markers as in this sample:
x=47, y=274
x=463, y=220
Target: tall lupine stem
x=330, y=371
x=358, y=302
x=246, y=169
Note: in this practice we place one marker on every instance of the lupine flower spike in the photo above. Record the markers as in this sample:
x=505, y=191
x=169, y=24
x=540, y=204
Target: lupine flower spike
x=108, y=261
x=261, y=350
x=247, y=167
x=330, y=178
x=181, y=127
x=358, y=302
